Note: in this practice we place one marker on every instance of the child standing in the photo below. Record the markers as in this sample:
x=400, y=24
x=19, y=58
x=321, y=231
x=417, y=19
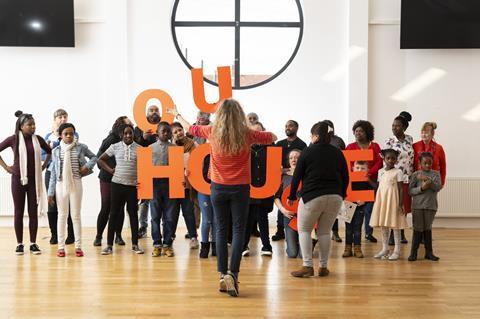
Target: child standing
x=65, y=186
x=424, y=187
x=388, y=210
x=353, y=230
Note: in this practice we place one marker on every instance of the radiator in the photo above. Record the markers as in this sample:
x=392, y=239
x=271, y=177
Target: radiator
x=6, y=201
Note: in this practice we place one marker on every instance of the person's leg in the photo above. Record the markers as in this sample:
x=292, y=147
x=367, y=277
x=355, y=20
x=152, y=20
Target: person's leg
x=429, y=216
x=189, y=215
x=70, y=230
x=357, y=232
x=239, y=202
x=75, y=209
x=32, y=211
x=18, y=194
x=324, y=223
x=52, y=224
x=62, y=201
x=157, y=207
x=252, y=210
x=291, y=239
x=367, y=215
x=262, y=217
x=384, y=252
x=206, y=223
x=418, y=228
x=335, y=235
x=118, y=199
x=396, y=250
x=221, y=211
x=143, y=216
x=102, y=218
x=132, y=206
x=280, y=233
x=347, y=252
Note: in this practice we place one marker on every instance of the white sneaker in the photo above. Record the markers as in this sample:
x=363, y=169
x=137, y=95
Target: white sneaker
x=394, y=256
x=246, y=252
x=193, y=243
x=381, y=254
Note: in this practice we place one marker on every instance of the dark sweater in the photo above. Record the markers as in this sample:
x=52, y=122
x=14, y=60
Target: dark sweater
x=287, y=146
x=138, y=138
x=323, y=170
x=112, y=138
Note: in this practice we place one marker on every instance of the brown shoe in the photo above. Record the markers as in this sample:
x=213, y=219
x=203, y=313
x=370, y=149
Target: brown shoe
x=357, y=250
x=323, y=272
x=168, y=251
x=303, y=272
x=348, y=251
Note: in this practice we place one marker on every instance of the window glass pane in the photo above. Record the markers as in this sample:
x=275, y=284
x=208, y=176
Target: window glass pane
x=264, y=51
x=205, y=10
x=269, y=10
x=211, y=46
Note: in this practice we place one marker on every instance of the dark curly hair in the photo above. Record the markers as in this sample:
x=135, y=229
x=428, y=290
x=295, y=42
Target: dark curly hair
x=367, y=127
x=65, y=126
x=404, y=117
x=116, y=126
x=122, y=128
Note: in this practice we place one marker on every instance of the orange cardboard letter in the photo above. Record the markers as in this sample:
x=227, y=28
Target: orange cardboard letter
x=224, y=86
x=273, y=175
x=352, y=156
x=141, y=102
x=195, y=168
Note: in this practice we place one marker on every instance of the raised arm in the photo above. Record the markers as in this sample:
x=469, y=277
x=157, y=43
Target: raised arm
x=186, y=125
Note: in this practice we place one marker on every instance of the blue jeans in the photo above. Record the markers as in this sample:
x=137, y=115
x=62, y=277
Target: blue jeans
x=143, y=213
x=257, y=212
x=230, y=200
x=291, y=239
x=207, y=218
x=368, y=213
x=188, y=215
x=160, y=207
x=353, y=230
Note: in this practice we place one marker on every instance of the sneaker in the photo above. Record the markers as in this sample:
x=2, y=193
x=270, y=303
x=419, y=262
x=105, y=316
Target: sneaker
x=119, y=241
x=381, y=254
x=394, y=256
x=61, y=253
x=246, y=252
x=323, y=272
x=19, y=250
x=231, y=284
x=107, y=250
x=336, y=237
x=34, y=249
x=194, y=243
x=137, y=250
x=97, y=242
x=371, y=239
x=142, y=232
x=303, y=272
x=222, y=287
x=157, y=251
x=69, y=240
x=168, y=251
x=53, y=240
x=266, y=251
x=79, y=252
x=279, y=235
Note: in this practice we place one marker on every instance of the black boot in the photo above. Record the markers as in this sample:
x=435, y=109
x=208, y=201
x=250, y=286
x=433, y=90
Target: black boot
x=204, y=250
x=279, y=235
x=416, y=237
x=214, y=249
x=427, y=238
x=403, y=239
x=52, y=223
x=391, y=239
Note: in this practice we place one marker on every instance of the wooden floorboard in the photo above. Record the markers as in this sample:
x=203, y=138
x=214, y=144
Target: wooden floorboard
x=125, y=285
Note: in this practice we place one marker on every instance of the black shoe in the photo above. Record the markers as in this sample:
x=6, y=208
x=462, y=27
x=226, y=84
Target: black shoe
x=204, y=250
x=34, y=249
x=119, y=241
x=391, y=239
x=256, y=233
x=266, y=251
x=142, y=232
x=336, y=237
x=187, y=236
x=53, y=240
x=69, y=240
x=371, y=239
x=427, y=237
x=19, y=250
x=214, y=249
x=415, y=244
x=403, y=240
x=279, y=235
x=97, y=242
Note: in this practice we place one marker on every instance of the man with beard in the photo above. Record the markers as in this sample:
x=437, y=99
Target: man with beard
x=145, y=139
x=291, y=142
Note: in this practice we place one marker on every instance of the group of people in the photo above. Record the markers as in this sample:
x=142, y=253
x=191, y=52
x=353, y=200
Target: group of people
x=405, y=176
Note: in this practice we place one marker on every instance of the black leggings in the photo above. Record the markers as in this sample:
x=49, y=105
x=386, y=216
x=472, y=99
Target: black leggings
x=121, y=194
x=102, y=219
x=19, y=192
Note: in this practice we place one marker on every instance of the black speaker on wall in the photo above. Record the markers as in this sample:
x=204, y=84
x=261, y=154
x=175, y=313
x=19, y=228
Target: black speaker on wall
x=37, y=23
x=440, y=24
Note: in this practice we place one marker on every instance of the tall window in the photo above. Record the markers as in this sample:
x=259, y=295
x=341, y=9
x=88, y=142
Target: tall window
x=257, y=38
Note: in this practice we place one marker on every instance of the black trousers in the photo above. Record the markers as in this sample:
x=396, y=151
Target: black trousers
x=121, y=195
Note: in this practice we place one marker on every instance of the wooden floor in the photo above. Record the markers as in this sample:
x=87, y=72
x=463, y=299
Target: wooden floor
x=138, y=286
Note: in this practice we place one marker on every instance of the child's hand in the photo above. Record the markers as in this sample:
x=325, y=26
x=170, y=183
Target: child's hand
x=287, y=213
x=84, y=171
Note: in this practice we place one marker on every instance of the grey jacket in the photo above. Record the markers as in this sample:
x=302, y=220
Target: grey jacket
x=425, y=199
x=56, y=166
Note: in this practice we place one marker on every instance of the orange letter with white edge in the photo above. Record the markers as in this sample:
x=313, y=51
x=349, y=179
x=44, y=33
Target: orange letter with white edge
x=146, y=172
x=141, y=102
x=274, y=175
x=195, y=168
x=224, y=86
x=353, y=156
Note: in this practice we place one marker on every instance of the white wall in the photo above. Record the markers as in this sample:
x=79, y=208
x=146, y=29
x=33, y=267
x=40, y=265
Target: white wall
x=124, y=47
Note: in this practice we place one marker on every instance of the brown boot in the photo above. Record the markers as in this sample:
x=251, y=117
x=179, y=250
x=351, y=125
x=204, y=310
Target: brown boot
x=357, y=251
x=303, y=272
x=348, y=251
x=323, y=272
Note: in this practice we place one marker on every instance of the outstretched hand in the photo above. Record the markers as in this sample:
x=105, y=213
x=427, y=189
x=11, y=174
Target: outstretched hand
x=173, y=111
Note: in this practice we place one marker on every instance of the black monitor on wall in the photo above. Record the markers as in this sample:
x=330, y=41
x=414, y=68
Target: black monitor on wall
x=440, y=24
x=37, y=23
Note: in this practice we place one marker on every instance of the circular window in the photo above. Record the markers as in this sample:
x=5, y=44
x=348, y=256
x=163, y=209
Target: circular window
x=257, y=38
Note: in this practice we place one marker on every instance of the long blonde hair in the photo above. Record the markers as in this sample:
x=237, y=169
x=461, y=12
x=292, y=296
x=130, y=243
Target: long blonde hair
x=230, y=127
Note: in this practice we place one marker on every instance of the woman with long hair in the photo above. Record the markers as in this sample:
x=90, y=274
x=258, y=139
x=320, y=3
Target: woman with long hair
x=230, y=139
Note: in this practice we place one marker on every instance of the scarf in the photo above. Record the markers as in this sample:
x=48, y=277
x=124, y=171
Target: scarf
x=23, y=161
x=68, y=183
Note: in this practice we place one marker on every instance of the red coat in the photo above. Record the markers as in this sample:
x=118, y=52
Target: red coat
x=376, y=164
x=439, y=160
